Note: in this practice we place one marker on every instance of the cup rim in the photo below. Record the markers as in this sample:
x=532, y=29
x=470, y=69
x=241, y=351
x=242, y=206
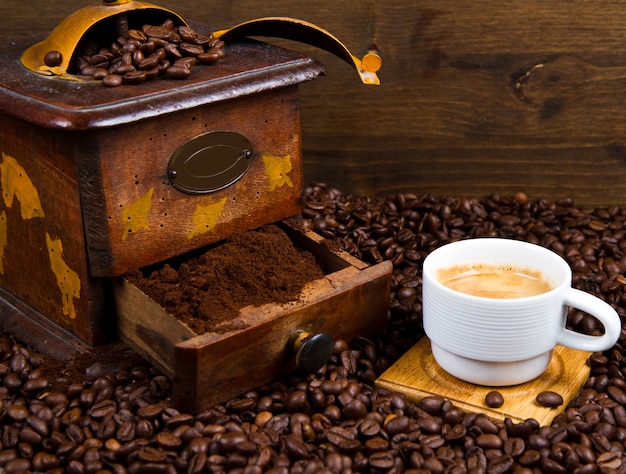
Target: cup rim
x=559, y=286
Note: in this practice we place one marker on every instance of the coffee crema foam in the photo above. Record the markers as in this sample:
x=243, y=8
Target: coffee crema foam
x=494, y=281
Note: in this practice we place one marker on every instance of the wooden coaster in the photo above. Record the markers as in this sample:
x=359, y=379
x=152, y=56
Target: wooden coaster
x=416, y=374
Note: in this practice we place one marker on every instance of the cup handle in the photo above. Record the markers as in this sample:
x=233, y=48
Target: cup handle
x=599, y=309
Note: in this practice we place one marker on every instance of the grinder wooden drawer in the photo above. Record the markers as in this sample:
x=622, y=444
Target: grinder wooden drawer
x=351, y=300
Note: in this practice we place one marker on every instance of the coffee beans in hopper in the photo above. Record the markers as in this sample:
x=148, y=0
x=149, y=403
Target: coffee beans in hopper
x=151, y=52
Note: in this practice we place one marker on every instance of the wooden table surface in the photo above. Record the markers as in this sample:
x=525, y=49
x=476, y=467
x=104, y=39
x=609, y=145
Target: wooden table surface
x=476, y=97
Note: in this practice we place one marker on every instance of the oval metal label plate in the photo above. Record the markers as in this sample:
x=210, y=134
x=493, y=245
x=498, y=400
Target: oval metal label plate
x=209, y=162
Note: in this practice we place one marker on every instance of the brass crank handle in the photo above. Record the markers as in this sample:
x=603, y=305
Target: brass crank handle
x=312, y=350
x=305, y=32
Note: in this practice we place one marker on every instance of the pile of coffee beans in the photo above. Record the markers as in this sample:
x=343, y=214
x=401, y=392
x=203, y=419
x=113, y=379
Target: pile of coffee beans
x=95, y=417
x=153, y=51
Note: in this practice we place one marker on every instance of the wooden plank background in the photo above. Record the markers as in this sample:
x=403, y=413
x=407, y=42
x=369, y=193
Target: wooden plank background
x=476, y=97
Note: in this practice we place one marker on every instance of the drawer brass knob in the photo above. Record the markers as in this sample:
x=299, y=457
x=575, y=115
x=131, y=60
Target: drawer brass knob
x=312, y=350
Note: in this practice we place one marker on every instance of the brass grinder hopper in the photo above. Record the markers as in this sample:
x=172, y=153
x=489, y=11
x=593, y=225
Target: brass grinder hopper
x=66, y=39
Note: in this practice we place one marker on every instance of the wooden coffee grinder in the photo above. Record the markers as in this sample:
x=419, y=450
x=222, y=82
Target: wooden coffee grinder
x=97, y=181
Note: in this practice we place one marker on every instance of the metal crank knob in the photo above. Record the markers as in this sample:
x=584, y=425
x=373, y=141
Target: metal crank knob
x=312, y=350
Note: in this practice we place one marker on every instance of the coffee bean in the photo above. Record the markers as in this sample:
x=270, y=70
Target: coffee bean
x=514, y=446
x=168, y=440
x=197, y=463
x=134, y=77
x=489, y=441
x=549, y=399
x=384, y=460
x=53, y=59
x=45, y=462
x=295, y=448
x=190, y=49
x=494, y=399
x=17, y=466
x=112, y=80
x=151, y=454
x=500, y=464
x=355, y=409
x=18, y=412
x=343, y=441
x=37, y=424
x=397, y=424
x=125, y=432
x=178, y=72
x=369, y=427
x=617, y=394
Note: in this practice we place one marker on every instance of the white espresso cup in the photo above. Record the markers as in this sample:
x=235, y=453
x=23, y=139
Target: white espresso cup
x=500, y=341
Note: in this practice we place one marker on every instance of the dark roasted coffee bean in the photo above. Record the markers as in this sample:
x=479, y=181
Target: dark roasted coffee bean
x=112, y=80
x=550, y=466
x=295, y=448
x=489, y=441
x=37, y=424
x=210, y=57
x=168, y=440
x=456, y=432
x=500, y=464
x=343, y=442
x=432, y=404
x=178, y=72
x=384, y=460
x=187, y=34
x=190, y=49
x=197, y=463
x=151, y=454
x=369, y=427
x=45, y=462
x=172, y=51
x=18, y=412
x=53, y=59
x=17, y=466
x=151, y=468
x=549, y=398
x=134, y=77
x=30, y=435
x=125, y=432
x=494, y=399
x=161, y=32
x=138, y=56
x=397, y=424
x=137, y=35
x=617, y=394
x=514, y=446
x=485, y=425
x=186, y=61
x=149, y=62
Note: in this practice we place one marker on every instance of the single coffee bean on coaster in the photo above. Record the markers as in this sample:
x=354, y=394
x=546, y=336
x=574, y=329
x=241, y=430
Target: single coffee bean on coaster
x=494, y=399
x=548, y=398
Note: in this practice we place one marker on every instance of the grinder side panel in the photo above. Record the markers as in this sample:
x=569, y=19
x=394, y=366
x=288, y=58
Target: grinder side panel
x=42, y=242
